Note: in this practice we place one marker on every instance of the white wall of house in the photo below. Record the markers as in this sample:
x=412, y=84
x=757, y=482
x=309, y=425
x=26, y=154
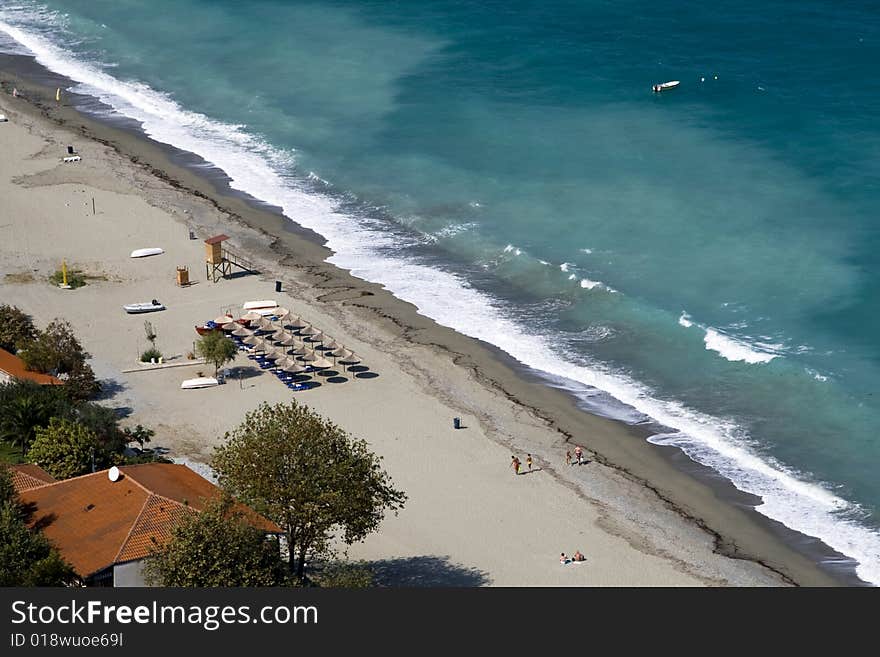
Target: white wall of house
x=129, y=574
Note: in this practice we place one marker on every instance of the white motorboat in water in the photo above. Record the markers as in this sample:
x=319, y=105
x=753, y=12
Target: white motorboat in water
x=145, y=307
x=665, y=86
x=200, y=382
x=143, y=253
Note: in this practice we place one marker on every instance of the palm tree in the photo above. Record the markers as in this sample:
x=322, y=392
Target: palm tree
x=20, y=421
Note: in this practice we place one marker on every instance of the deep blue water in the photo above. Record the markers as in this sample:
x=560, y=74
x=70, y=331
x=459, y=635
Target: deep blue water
x=705, y=255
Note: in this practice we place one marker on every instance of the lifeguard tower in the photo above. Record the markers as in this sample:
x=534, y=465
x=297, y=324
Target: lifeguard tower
x=219, y=260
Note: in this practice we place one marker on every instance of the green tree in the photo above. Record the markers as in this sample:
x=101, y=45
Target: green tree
x=16, y=328
x=56, y=350
x=66, y=449
x=26, y=557
x=308, y=476
x=216, y=349
x=21, y=419
x=7, y=490
x=216, y=547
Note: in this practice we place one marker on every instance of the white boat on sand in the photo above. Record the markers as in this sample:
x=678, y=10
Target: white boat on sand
x=265, y=304
x=200, y=382
x=665, y=86
x=144, y=307
x=143, y=253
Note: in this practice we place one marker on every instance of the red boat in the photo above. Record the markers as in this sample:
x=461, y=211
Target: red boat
x=205, y=329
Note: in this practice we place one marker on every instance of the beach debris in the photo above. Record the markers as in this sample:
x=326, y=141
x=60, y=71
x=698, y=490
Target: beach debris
x=71, y=158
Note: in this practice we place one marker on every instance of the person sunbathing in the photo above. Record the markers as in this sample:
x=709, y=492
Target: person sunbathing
x=578, y=556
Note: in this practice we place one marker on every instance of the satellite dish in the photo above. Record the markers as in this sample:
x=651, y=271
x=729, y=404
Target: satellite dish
x=113, y=473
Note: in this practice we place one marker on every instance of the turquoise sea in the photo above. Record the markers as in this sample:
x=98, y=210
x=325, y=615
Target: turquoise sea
x=704, y=257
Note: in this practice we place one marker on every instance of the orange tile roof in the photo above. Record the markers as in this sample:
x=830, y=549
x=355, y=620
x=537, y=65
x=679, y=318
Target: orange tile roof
x=95, y=522
x=27, y=475
x=15, y=367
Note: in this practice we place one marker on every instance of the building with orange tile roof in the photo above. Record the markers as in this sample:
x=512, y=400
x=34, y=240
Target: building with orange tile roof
x=27, y=475
x=105, y=528
x=12, y=367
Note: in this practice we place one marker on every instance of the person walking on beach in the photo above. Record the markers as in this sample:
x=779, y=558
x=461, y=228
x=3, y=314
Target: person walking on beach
x=529, y=462
x=579, y=453
x=514, y=463
x=568, y=457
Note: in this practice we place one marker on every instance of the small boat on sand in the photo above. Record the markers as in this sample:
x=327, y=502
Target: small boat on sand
x=143, y=253
x=3, y=118
x=665, y=86
x=144, y=307
x=265, y=304
x=200, y=382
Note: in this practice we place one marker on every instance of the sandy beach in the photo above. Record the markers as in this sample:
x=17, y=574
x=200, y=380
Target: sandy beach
x=638, y=518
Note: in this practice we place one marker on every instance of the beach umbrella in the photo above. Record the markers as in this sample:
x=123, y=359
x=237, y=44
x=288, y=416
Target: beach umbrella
x=295, y=322
x=263, y=324
x=290, y=341
x=252, y=340
x=293, y=367
x=332, y=346
x=242, y=331
x=252, y=315
x=309, y=330
x=321, y=363
x=223, y=319
x=316, y=337
x=310, y=356
x=342, y=352
x=229, y=326
x=280, y=335
x=351, y=359
x=281, y=313
x=299, y=350
x=276, y=354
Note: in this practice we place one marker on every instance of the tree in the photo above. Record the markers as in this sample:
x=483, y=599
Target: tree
x=7, y=490
x=216, y=547
x=57, y=350
x=307, y=475
x=21, y=419
x=16, y=328
x=26, y=557
x=66, y=449
x=216, y=349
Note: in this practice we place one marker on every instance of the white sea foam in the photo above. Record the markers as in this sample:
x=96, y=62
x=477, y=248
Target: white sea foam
x=734, y=349
x=564, y=266
x=571, y=277
x=587, y=251
x=685, y=320
x=588, y=284
x=256, y=168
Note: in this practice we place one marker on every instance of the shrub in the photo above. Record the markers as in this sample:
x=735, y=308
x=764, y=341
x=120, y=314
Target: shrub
x=149, y=354
x=75, y=278
x=16, y=328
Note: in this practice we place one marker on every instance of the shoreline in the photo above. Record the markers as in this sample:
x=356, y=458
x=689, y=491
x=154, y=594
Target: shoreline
x=693, y=491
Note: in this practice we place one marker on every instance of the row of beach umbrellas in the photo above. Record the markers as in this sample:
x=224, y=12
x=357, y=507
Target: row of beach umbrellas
x=286, y=338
